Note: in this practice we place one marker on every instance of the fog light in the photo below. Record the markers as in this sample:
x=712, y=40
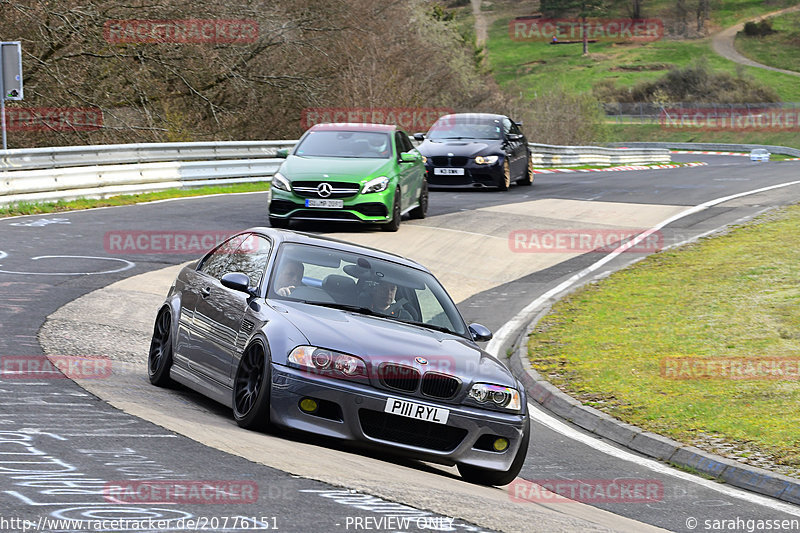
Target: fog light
x=308, y=405
x=500, y=445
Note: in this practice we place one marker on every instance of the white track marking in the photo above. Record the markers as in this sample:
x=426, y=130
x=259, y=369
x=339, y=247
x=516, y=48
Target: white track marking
x=556, y=425
x=127, y=266
x=519, y=321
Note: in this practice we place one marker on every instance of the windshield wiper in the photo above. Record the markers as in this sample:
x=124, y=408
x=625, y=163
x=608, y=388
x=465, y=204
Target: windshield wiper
x=347, y=307
x=429, y=326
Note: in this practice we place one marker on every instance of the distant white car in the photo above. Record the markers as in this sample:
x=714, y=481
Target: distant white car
x=759, y=154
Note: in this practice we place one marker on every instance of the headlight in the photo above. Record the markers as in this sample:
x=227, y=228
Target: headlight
x=424, y=159
x=495, y=396
x=375, y=185
x=280, y=182
x=327, y=362
x=486, y=159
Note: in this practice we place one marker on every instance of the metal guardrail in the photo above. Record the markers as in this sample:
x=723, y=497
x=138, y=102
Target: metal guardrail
x=99, y=171
x=711, y=147
x=115, y=154
x=551, y=155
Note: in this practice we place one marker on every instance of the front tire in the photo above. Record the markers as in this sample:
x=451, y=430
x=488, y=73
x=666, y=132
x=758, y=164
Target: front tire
x=394, y=224
x=506, y=183
x=484, y=476
x=251, y=388
x=421, y=210
x=528, y=179
x=159, y=359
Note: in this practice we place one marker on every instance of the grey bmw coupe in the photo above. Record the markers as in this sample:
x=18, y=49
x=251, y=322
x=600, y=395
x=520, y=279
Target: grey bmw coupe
x=320, y=335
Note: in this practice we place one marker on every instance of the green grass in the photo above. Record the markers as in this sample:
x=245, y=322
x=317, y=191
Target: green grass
x=780, y=49
x=655, y=133
x=35, y=208
x=535, y=66
x=731, y=296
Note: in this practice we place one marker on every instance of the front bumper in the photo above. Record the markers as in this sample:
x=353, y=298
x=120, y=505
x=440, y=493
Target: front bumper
x=475, y=176
x=369, y=208
x=355, y=412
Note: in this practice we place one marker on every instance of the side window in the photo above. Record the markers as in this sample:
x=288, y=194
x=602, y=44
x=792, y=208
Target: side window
x=506, y=126
x=515, y=129
x=398, y=141
x=215, y=263
x=407, y=145
x=251, y=258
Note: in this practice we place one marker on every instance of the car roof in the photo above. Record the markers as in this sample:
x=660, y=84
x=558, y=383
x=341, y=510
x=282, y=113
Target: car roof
x=281, y=236
x=352, y=126
x=487, y=116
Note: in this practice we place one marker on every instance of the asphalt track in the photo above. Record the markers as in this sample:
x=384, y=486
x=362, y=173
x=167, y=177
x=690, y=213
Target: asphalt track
x=55, y=426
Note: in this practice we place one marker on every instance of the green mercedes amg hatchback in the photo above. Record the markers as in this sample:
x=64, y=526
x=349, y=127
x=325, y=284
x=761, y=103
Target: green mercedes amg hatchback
x=368, y=173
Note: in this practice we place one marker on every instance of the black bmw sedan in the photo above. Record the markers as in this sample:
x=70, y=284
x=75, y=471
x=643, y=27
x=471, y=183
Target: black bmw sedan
x=476, y=150
x=324, y=336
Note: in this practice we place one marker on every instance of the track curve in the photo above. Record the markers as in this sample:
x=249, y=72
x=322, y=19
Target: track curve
x=491, y=294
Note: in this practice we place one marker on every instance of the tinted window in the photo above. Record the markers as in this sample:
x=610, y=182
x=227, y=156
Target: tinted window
x=361, y=144
x=407, y=146
x=216, y=262
x=466, y=127
x=251, y=258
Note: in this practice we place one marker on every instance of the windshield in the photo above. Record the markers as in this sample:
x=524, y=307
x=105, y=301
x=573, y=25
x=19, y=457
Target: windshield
x=466, y=127
x=362, y=284
x=360, y=144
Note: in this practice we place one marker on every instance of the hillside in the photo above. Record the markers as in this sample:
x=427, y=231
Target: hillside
x=152, y=72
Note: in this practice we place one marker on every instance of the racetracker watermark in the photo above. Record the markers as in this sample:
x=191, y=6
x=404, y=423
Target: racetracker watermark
x=54, y=118
x=731, y=368
x=731, y=119
x=54, y=367
x=568, y=241
x=231, y=31
x=586, y=490
x=181, y=492
x=412, y=119
x=173, y=242
x=555, y=30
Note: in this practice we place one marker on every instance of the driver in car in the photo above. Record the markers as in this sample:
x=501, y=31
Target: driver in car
x=289, y=277
x=383, y=301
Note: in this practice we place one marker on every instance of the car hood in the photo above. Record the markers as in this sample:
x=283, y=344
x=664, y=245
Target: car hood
x=466, y=148
x=378, y=340
x=343, y=168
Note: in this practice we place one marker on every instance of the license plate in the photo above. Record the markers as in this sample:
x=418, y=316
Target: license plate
x=448, y=171
x=416, y=410
x=330, y=204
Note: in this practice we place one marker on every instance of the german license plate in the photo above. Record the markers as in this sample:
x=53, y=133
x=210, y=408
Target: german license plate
x=448, y=171
x=416, y=410
x=330, y=204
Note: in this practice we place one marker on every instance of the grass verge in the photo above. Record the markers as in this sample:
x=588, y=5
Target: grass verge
x=655, y=133
x=780, y=49
x=35, y=208
x=731, y=297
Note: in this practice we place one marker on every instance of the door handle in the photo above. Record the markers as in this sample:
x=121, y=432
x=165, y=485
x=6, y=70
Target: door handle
x=205, y=292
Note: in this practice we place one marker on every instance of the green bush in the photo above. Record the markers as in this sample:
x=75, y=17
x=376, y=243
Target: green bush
x=694, y=83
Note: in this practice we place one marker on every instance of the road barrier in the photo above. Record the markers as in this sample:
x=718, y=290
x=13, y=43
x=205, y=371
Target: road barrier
x=715, y=147
x=100, y=171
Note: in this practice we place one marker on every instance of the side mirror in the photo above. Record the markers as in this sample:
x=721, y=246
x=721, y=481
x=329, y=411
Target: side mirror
x=409, y=157
x=480, y=333
x=236, y=281
x=283, y=153
x=518, y=124
x=419, y=136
